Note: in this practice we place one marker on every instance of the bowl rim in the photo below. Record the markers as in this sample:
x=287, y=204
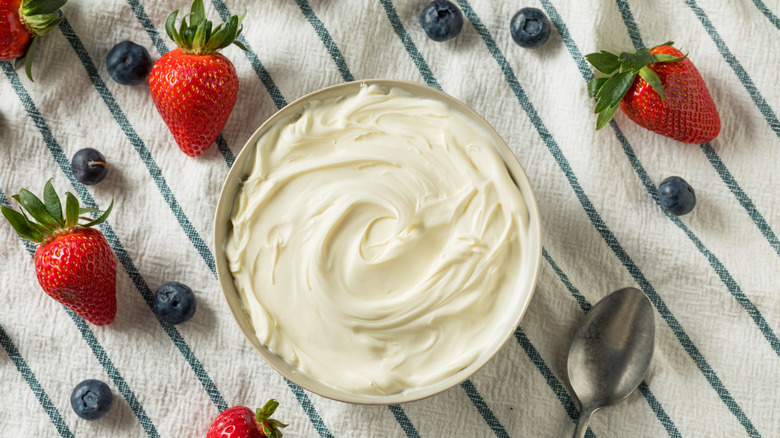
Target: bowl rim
x=221, y=228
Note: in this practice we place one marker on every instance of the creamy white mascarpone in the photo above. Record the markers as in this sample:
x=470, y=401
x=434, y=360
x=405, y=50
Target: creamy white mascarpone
x=377, y=241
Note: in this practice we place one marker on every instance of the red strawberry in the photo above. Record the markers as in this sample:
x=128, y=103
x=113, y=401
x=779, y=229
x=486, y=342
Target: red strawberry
x=74, y=263
x=193, y=87
x=660, y=89
x=21, y=23
x=241, y=422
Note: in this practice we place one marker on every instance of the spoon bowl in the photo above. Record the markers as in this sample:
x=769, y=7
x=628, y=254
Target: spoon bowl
x=611, y=351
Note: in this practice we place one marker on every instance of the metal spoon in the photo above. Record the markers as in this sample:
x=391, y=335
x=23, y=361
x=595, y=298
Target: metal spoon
x=611, y=352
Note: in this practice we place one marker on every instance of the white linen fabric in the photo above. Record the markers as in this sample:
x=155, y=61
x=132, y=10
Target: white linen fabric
x=713, y=275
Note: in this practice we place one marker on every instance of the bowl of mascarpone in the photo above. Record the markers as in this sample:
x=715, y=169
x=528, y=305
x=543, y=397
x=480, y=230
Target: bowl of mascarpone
x=377, y=242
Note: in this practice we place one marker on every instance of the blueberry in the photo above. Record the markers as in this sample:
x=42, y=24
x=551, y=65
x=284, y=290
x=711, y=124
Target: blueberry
x=441, y=20
x=530, y=28
x=174, y=303
x=128, y=63
x=89, y=166
x=676, y=195
x=91, y=399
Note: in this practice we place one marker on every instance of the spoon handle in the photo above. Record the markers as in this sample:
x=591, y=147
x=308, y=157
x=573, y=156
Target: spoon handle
x=582, y=423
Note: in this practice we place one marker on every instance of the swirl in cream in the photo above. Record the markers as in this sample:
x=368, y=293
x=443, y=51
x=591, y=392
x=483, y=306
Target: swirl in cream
x=377, y=241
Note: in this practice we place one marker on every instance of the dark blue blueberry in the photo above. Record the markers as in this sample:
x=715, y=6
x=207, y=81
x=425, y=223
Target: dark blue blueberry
x=91, y=399
x=174, y=303
x=89, y=166
x=676, y=195
x=128, y=63
x=530, y=28
x=441, y=20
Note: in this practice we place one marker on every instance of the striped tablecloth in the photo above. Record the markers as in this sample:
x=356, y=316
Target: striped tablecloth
x=713, y=276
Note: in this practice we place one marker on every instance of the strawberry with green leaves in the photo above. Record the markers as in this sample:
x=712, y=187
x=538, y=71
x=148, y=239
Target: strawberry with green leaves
x=194, y=87
x=21, y=23
x=659, y=89
x=241, y=422
x=74, y=263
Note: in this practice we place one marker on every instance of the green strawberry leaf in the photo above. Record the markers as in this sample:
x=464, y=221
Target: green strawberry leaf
x=664, y=57
x=188, y=35
x=633, y=62
x=613, y=90
x=199, y=38
x=21, y=225
x=604, y=61
x=38, y=7
x=71, y=210
x=652, y=78
x=102, y=217
x=89, y=210
x=605, y=116
x=52, y=202
x=36, y=208
x=240, y=45
x=170, y=28
x=29, y=57
x=197, y=13
x=594, y=85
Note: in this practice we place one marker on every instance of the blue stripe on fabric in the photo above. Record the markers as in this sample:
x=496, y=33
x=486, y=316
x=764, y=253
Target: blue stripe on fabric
x=654, y=404
x=300, y=395
x=309, y=409
x=483, y=409
x=112, y=238
x=741, y=196
x=146, y=23
x=403, y=420
x=258, y=67
x=97, y=350
x=767, y=13
x=113, y=373
x=138, y=144
x=735, y=65
x=628, y=19
x=557, y=387
x=411, y=48
x=326, y=39
x=716, y=264
x=596, y=219
x=712, y=156
x=29, y=376
x=581, y=300
x=35, y=386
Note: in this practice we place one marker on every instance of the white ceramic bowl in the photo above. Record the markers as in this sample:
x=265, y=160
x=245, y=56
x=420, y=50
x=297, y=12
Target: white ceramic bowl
x=222, y=226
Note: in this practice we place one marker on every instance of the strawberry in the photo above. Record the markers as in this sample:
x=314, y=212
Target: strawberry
x=21, y=23
x=194, y=87
x=659, y=89
x=74, y=263
x=241, y=422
